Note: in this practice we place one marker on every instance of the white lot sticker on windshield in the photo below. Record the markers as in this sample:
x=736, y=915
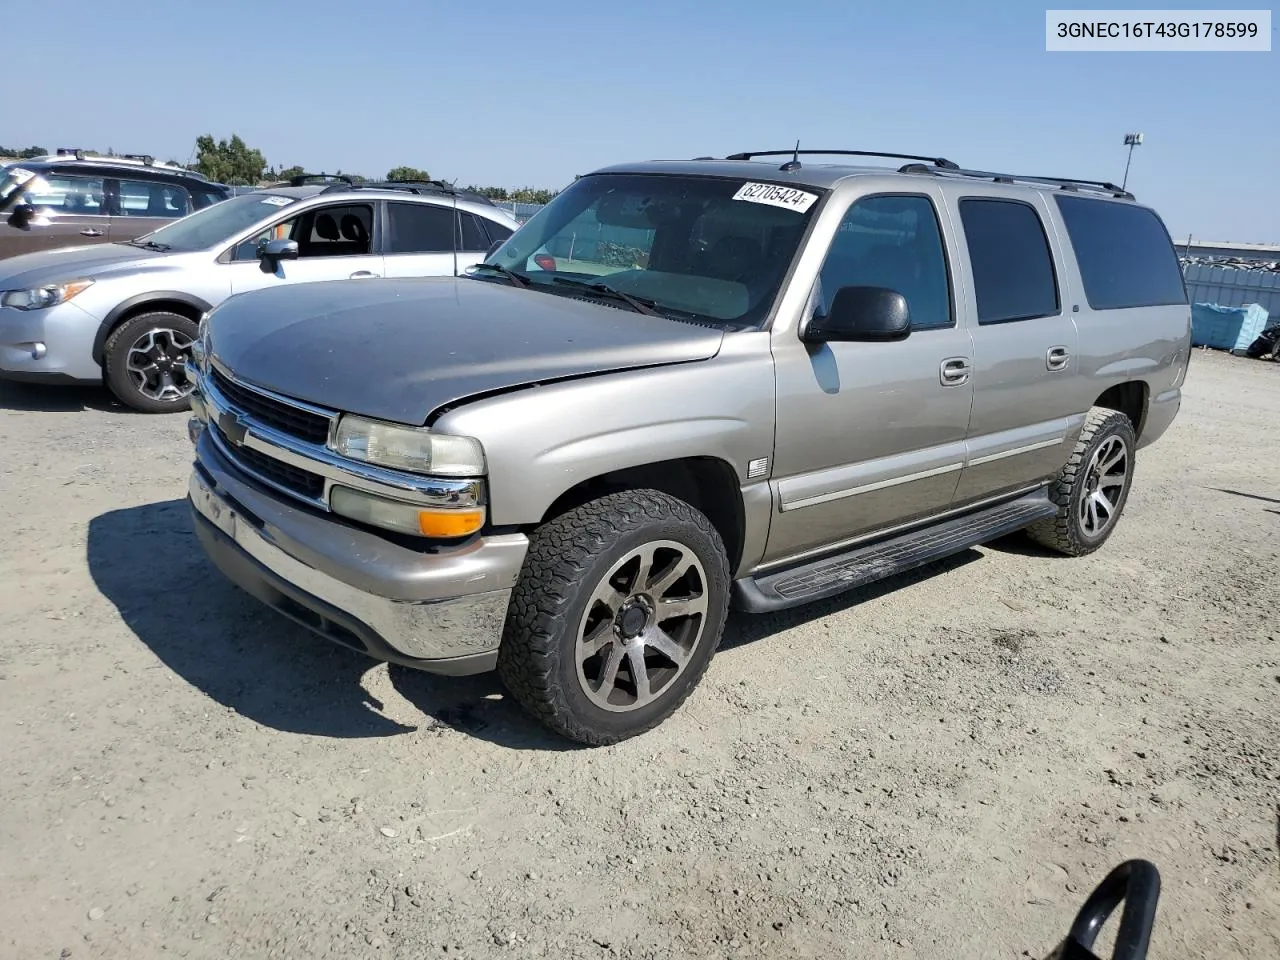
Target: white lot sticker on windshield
x=277, y=201
x=789, y=198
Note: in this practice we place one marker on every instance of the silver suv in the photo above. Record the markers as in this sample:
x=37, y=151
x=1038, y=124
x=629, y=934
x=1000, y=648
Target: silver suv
x=127, y=312
x=683, y=385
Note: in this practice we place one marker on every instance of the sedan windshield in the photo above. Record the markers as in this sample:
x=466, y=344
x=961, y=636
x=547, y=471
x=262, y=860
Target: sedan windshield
x=216, y=224
x=12, y=177
x=706, y=248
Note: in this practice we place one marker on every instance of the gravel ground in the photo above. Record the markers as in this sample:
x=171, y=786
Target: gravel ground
x=942, y=766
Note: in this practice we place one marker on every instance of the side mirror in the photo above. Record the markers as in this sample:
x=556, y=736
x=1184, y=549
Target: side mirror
x=272, y=252
x=21, y=215
x=862, y=313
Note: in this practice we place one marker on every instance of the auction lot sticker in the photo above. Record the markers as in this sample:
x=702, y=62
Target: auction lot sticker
x=789, y=198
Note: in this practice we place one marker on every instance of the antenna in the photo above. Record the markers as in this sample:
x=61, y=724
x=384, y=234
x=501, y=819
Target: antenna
x=794, y=162
x=457, y=224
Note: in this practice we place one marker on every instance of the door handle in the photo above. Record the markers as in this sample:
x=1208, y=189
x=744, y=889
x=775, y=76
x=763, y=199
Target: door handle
x=90, y=232
x=1056, y=358
x=954, y=371
x=362, y=274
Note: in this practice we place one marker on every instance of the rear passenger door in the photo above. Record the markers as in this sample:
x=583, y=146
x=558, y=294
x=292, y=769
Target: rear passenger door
x=1026, y=375
x=418, y=240
x=140, y=206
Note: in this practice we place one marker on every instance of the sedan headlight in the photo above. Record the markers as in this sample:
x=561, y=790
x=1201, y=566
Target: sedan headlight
x=414, y=449
x=49, y=295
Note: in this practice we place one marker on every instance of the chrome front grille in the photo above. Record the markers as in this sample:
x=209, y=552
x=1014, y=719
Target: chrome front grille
x=309, y=425
x=281, y=443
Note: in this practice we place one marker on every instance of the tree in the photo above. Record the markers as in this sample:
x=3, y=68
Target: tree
x=26, y=154
x=530, y=195
x=400, y=174
x=288, y=173
x=231, y=162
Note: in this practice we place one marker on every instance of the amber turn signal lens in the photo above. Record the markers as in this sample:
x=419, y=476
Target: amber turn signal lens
x=448, y=524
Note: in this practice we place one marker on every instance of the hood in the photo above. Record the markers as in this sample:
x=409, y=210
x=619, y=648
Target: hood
x=68, y=263
x=400, y=349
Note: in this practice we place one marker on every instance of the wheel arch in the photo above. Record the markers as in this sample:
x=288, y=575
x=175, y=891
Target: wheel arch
x=1131, y=398
x=184, y=304
x=706, y=483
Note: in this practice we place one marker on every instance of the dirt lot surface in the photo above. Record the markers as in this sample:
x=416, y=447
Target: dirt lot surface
x=942, y=766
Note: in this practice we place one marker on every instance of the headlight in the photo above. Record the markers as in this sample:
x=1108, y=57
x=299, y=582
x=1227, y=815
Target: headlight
x=50, y=295
x=414, y=449
x=406, y=517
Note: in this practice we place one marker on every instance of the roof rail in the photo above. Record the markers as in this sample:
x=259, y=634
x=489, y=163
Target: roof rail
x=146, y=158
x=941, y=162
x=303, y=179
x=1063, y=183
x=429, y=186
x=77, y=152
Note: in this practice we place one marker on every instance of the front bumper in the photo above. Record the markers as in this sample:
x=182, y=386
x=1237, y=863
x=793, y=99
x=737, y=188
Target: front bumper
x=439, y=612
x=54, y=345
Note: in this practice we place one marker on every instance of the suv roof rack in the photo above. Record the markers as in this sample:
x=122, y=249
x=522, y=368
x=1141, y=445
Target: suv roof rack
x=1072, y=184
x=145, y=158
x=795, y=154
x=302, y=179
x=428, y=186
x=77, y=152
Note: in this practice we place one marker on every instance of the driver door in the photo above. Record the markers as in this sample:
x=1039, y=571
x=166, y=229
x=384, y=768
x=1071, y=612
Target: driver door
x=872, y=435
x=335, y=242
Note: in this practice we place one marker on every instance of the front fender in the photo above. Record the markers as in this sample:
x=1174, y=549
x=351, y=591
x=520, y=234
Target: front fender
x=542, y=441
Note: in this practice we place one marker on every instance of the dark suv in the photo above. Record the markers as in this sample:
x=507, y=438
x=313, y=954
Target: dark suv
x=70, y=199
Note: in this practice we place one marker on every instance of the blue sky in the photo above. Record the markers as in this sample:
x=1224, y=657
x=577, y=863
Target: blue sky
x=532, y=93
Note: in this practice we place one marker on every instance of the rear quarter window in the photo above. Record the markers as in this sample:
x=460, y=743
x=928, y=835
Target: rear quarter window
x=1125, y=255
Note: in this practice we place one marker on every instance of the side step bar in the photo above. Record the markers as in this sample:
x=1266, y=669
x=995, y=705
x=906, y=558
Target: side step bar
x=832, y=575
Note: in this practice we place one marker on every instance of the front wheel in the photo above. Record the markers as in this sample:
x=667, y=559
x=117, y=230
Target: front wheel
x=144, y=362
x=1092, y=488
x=616, y=615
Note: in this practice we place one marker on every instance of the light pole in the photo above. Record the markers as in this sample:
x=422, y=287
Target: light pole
x=1131, y=140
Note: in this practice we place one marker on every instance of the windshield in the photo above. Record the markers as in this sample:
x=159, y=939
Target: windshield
x=216, y=224
x=12, y=177
x=709, y=248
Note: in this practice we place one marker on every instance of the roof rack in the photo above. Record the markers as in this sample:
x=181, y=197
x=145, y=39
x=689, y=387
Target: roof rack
x=303, y=179
x=428, y=186
x=1072, y=184
x=77, y=152
x=146, y=158
x=941, y=162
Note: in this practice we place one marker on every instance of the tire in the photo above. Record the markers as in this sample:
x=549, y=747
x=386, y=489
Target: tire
x=1070, y=531
x=124, y=362
x=567, y=591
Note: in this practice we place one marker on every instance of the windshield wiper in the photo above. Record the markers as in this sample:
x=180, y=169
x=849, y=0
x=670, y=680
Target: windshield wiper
x=518, y=279
x=638, y=304
x=149, y=244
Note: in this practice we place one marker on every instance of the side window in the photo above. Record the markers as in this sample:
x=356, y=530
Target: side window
x=894, y=242
x=473, y=236
x=53, y=194
x=419, y=228
x=149, y=198
x=496, y=231
x=205, y=198
x=344, y=230
x=1013, y=273
x=284, y=230
x=1125, y=255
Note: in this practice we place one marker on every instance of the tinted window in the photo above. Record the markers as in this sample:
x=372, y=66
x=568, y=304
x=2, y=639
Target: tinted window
x=148, y=198
x=473, y=235
x=56, y=193
x=892, y=242
x=205, y=198
x=496, y=231
x=419, y=228
x=1013, y=272
x=1125, y=255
